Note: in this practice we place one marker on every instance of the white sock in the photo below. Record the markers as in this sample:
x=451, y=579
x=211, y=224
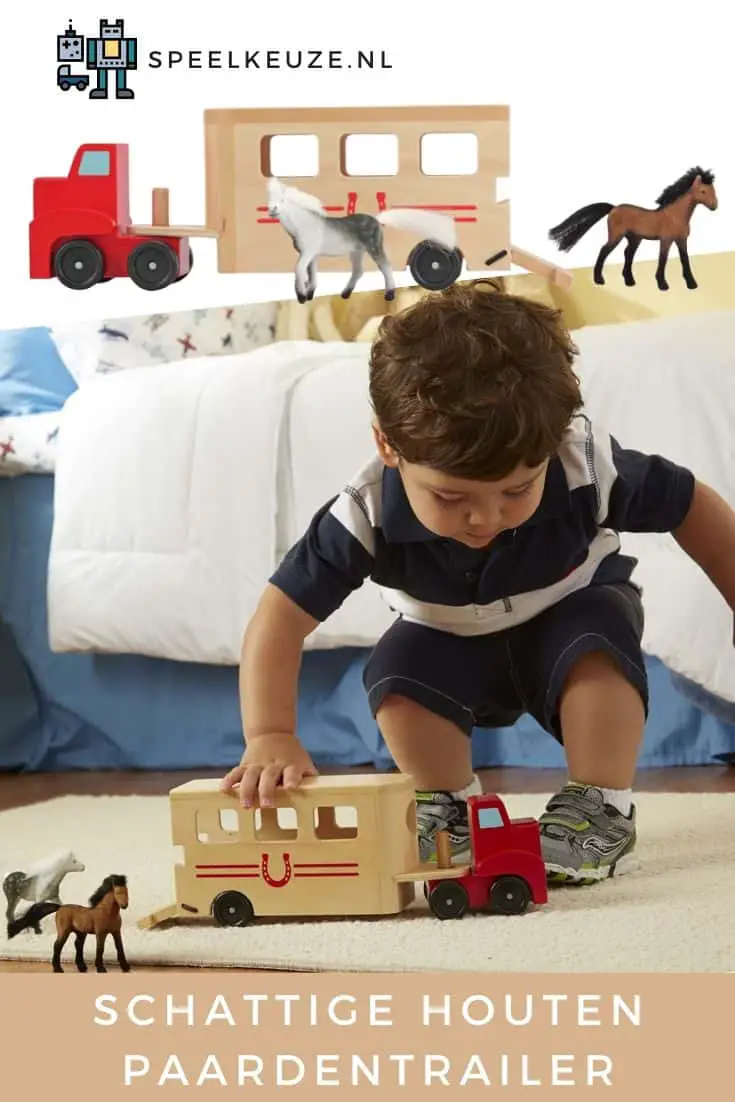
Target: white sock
x=474, y=788
x=621, y=799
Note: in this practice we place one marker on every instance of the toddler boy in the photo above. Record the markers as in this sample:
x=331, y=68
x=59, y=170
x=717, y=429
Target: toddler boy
x=489, y=519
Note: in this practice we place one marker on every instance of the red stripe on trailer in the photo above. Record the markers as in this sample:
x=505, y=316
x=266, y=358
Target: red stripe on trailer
x=327, y=865
x=330, y=208
x=435, y=206
x=226, y=876
x=320, y=875
x=227, y=866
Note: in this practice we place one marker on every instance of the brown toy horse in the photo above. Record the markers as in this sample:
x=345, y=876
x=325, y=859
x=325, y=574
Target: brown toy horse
x=668, y=224
x=101, y=918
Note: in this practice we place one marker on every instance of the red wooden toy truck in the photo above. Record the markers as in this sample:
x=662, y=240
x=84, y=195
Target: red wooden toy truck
x=507, y=871
x=81, y=230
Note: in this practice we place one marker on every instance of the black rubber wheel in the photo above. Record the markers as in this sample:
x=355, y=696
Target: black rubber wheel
x=448, y=899
x=433, y=267
x=191, y=265
x=509, y=895
x=153, y=265
x=232, y=909
x=79, y=264
x=65, y=86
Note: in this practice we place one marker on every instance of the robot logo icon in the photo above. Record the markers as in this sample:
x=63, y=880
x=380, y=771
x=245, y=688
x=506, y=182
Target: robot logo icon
x=110, y=52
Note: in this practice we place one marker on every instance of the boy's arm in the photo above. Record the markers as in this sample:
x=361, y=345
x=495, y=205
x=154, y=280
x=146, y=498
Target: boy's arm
x=330, y=561
x=648, y=493
x=269, y=671
x=707, y=534
x=270, y=663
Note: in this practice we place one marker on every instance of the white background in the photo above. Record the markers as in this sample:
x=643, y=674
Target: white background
x=609, y=102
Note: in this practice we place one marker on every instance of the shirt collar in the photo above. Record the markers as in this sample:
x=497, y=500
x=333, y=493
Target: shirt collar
x=401, y=525
x=556, y=500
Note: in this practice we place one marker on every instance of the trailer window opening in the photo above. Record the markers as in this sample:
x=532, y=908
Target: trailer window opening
x=489, y=818
x=368, y=155
x=446, y=154
x=229, y=820
x=276, y=824
x=332, y=823
x=217, y=825
x=95, y=162
x=285, y=155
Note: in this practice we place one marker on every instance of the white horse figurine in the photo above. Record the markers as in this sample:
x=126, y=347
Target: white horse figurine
x=40, y=883
x=315, y=233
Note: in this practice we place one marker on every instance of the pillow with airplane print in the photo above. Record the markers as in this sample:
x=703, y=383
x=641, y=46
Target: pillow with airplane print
x=99, y=348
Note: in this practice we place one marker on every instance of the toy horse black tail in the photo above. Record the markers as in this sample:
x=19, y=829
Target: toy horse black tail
x=572, y=229
x=32, y=917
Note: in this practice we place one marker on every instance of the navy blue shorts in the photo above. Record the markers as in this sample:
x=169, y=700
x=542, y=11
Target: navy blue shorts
x=492, y=680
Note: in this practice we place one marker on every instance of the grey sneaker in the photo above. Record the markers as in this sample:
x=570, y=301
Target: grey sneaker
x=583, y=839
x=440, y=811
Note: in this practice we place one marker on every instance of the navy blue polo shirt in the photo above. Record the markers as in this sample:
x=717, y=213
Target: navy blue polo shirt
x=594, y=490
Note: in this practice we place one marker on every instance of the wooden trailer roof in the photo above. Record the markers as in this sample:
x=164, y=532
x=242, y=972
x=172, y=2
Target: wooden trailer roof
x=435, y=117
x=321, y=785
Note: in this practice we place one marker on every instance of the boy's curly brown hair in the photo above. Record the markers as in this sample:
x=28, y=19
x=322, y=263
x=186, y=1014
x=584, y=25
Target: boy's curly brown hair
x=474, y=382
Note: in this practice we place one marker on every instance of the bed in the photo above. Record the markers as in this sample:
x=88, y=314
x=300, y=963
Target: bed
x=87, y=681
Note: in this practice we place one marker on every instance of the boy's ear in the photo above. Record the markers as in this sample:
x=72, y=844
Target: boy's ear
x=385, y=451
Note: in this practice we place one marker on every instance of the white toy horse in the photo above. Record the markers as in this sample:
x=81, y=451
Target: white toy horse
x=40, y=883
x=315, y=233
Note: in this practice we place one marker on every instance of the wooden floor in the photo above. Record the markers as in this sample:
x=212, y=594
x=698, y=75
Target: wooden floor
x=20, y=791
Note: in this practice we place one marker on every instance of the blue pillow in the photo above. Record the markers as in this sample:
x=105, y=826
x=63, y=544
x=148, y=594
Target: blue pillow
x=33, y=377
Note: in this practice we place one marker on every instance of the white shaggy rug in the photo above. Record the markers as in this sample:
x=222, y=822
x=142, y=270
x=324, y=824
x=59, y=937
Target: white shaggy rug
x=673, y=914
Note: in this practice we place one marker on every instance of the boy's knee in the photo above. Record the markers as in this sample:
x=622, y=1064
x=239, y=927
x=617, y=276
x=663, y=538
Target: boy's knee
x=594, y=665
x=401, y=707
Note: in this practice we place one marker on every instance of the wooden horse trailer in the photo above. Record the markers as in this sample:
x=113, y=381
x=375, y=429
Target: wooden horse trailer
x=238, y=163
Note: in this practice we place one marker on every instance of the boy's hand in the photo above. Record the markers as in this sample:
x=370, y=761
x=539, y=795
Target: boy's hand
x=268, y=761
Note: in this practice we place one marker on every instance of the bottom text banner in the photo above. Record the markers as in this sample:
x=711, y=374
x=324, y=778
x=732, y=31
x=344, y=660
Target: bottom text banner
x=134, y=1036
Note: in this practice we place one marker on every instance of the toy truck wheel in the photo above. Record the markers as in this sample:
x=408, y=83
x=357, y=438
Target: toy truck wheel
x=448, y=899
x=509, y=895
x=232, y=909
x=433, y=267
x=153, y=265
x=79, y=264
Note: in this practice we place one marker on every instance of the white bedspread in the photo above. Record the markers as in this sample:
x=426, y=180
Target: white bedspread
x=178, y=489
x=165, y=518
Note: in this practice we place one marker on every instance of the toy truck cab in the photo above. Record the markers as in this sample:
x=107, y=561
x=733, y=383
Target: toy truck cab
x=507, y=871
x=81, y=230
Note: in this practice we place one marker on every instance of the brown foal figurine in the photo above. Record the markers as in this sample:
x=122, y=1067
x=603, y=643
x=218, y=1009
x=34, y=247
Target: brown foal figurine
x=668, y=224
x=101, y=918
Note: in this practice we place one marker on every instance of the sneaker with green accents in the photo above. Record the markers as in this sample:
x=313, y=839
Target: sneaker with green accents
x=441, y=811
x=583, y=839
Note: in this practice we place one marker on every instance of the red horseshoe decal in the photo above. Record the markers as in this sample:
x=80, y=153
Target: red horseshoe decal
x=287, y=869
